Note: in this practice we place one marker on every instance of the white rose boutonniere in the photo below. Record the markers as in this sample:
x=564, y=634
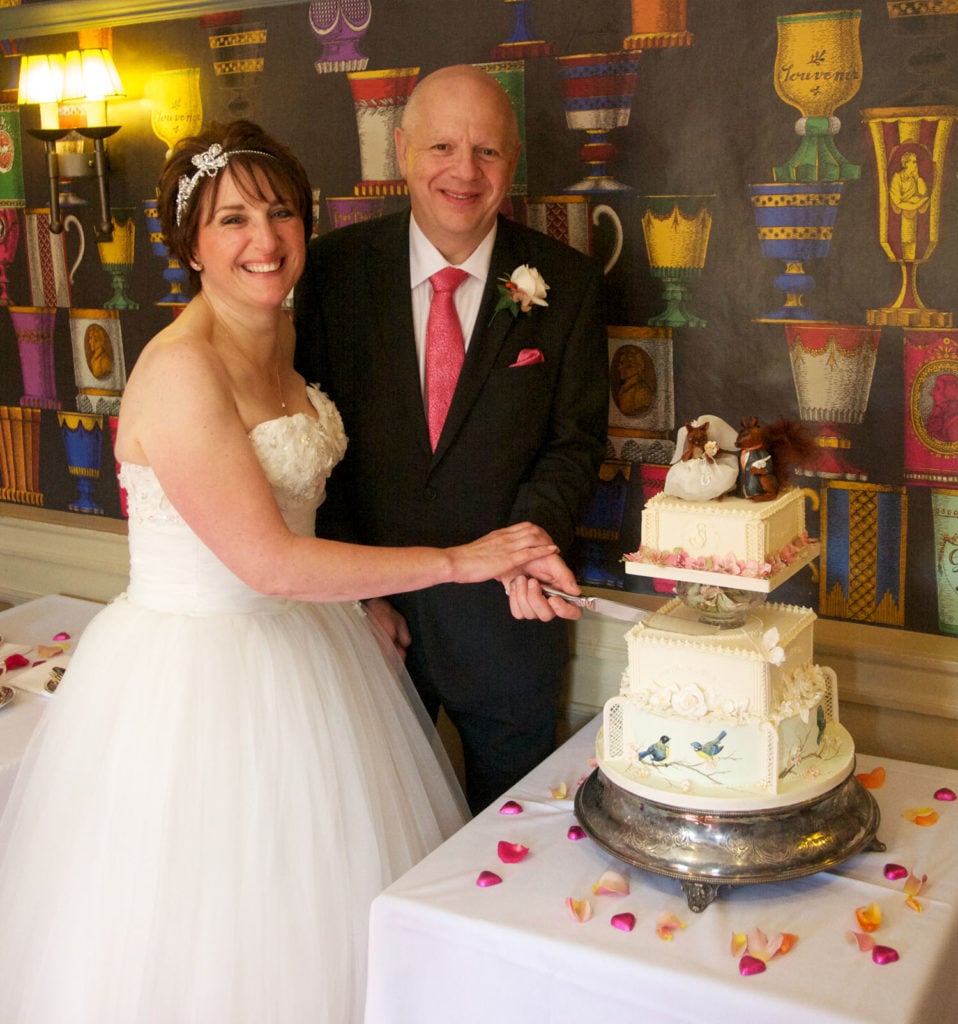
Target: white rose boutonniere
x=524, y=289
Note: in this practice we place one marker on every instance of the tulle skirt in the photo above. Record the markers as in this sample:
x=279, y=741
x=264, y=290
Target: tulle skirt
x=205, y=813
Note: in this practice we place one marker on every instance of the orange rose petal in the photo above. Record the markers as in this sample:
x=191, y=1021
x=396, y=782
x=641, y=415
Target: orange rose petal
x=560, y=792
x=869, y=918
x=788, y=942
x=874, y=779
x=739, y=943
x=913, y=904
x=925, y=820
x=920, y=815
x=45, y=651
x=581, y=910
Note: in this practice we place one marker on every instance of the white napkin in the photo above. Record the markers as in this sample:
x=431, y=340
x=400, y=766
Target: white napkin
x=37, y=678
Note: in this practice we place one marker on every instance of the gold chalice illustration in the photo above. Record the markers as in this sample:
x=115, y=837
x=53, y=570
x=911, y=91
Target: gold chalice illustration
x=177, y=106
x=116, y=258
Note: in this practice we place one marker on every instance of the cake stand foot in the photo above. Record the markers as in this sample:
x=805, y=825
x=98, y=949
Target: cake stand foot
x=699, y=894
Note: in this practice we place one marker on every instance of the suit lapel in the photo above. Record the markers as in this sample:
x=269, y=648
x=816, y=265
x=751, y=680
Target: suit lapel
x=488, y=335
x=388, y=270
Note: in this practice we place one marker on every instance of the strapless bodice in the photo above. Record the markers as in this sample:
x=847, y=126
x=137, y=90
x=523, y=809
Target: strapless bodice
x=171, y=569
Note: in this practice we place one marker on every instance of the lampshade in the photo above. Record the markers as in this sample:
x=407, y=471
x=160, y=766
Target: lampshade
x=90, y=75
x=41, y=81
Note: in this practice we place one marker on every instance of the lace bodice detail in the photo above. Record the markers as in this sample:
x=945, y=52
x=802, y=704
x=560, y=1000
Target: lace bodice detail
x=169, y=565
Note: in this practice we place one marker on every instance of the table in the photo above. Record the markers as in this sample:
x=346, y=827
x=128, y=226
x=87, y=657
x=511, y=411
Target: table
x=34, y=622
x=444, y=949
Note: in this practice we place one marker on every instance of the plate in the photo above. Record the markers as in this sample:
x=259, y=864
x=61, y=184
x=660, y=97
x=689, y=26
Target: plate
x=6, y=695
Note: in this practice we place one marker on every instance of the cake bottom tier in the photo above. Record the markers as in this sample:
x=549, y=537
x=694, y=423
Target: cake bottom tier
x=739, y=768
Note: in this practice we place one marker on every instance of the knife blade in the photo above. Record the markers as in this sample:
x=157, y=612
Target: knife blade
x=600, y=605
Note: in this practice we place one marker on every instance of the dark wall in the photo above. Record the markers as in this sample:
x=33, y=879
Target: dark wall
x=705, y=119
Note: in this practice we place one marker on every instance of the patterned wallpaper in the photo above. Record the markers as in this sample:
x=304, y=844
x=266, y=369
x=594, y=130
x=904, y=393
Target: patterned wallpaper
x=770, y=186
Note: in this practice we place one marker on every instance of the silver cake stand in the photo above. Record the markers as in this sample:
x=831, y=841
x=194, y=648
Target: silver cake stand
x=708, y=850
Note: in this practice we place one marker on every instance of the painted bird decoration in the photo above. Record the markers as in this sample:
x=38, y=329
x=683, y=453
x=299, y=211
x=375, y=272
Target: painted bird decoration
x=711, y=748
x=658, y=751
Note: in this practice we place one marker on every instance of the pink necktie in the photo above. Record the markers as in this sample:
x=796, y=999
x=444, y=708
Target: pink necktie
x=445, y=348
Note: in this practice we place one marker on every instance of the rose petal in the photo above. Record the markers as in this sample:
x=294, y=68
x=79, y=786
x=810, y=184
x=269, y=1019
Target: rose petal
x=560, y=792
x=487, y=878
x=874, y=779
x=869, y=918
x=511, y=853
x=45, y=651
x=749, y=965
x=510, y=807
x=945, y=794
x=61, y=636
x=924, y=816
x=612, y=883
x=884, y=955
x=865, y=942
x=913, y=904
x=788, y=942
x=895, y=871
x=575, y=833
x=581, y=910
x=739, y=943
x=667, y=923
x=15, y=661
x=624, y=922
x=914, y=884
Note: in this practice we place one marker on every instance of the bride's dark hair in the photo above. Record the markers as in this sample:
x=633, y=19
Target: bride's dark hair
x=248, y=149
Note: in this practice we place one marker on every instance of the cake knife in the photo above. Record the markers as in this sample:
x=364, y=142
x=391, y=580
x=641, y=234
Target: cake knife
x=600, y=605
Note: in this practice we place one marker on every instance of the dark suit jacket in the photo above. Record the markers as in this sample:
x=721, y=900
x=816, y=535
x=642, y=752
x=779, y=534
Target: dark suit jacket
x=519, y=442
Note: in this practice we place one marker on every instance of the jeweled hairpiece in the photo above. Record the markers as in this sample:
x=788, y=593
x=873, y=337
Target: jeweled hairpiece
x=207, y=164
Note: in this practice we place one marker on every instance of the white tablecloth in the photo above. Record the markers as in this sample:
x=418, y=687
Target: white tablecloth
x=444, y=949
x=34, y=622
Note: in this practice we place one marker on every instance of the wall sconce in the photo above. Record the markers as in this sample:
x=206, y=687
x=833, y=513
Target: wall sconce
x=85, y=79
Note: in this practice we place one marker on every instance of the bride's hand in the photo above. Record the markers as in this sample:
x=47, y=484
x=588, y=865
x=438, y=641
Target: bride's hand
x=499, y=553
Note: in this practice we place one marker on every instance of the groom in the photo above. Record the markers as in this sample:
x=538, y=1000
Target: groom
x=521, y=436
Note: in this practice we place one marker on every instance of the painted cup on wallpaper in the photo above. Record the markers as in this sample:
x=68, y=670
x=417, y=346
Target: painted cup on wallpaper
x=9, y=239
x=944, y=512
x=570, y=219
x=379, y=98
x=51, y=272
x=33, y=326
x=345, y=210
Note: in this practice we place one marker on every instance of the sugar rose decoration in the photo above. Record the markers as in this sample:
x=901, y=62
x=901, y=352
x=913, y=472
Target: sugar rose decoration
x=524, y=289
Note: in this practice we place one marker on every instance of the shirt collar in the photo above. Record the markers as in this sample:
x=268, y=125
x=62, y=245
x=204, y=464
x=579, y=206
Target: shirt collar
x=425, y=259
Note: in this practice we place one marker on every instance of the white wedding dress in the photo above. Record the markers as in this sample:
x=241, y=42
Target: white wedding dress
x=219, y=787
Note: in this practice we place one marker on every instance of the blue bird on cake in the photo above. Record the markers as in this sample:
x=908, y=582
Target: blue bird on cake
x=711, y=748
x=820, y=720
x=658, y=751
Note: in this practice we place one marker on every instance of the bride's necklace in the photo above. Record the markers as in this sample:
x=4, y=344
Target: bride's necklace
x=235, y=347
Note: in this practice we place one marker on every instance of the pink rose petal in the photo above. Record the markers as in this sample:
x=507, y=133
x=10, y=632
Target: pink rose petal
x=61, y=636
x=945, y=794
x=510, y=807
x=487, y=878
x=612, y=883
x=511, y=853
x=884, y=955
x=624, y=922
x=895, y=871
x=575, y=833
x=865, y=942
x=749, y=965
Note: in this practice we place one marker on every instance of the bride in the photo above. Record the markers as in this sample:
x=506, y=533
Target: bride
x=233, y=765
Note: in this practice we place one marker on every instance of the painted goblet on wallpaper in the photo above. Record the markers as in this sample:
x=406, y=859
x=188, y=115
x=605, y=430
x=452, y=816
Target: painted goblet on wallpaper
x=116, y=258
x=378, y=99
x=82, y=435
x=676, y=230
x=340, y=25
x=911, y=147
x=818, y=67
x=832, y=366
x=176, y=105
x=597, y=91
x=9, y=239
x=33, y=326
x=175, y=273
x=522, y=41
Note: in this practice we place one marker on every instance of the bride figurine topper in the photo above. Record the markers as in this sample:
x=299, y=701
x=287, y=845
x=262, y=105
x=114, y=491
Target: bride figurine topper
x=705, y=465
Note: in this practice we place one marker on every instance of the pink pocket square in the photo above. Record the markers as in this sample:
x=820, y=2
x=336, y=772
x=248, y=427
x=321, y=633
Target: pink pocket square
x=528, y=356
